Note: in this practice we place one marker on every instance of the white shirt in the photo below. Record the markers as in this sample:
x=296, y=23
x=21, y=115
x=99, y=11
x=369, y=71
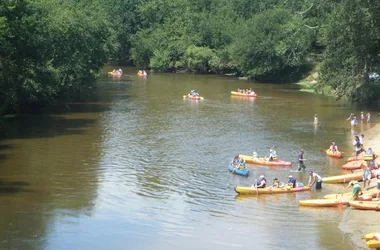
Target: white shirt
x=376, y=174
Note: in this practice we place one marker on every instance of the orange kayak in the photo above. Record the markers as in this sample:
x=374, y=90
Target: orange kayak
x=335, y=154
x=269, y=190
x=366, y=205
x=352, y=165
x=243, y=94
x=356, y=158
x=263, y=161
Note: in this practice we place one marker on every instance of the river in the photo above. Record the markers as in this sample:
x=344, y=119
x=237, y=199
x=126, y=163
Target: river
x=138, y=167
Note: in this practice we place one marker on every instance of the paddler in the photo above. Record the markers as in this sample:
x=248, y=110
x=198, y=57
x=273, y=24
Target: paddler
x=356, y=189
x=261, y=182
x=292, y=181
x=272, y=155
x=333, y=147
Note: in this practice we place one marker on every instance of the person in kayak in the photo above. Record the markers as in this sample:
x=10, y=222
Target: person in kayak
x=255, y=155
x=314, y=178
x=301, y=164
x=333, y=147
x=276, y=183
x=292, y=181
x=356, y=189
x=261, y=182
x=272, y=155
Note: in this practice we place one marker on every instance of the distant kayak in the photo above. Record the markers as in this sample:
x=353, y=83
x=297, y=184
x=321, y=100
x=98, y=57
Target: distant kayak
x=243, y=171
x=336, y=154
x=193, y=97
x=269, y=190
x=352, y=165
x=115, y=73
x=142, y=75
x=331, y=202
x=366, y=205
x=243, y=94
x=263, y=161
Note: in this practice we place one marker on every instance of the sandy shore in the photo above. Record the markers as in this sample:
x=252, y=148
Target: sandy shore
x=356, y=223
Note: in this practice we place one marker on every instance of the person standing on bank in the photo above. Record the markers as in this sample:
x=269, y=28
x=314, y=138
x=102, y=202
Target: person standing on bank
x=301, y=164
x=315, y=178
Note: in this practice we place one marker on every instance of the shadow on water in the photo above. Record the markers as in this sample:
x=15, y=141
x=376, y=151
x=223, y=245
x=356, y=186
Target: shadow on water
x=43, y=126
x=11, y=187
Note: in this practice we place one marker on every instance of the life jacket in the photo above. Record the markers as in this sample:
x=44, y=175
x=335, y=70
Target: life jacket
x=260, y=181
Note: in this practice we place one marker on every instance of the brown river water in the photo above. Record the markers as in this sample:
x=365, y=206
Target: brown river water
x=138, y=167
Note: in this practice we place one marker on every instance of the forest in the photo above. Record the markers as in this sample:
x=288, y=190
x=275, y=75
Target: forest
x=54, y=49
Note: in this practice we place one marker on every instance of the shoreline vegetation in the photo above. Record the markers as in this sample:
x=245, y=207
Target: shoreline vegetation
x=53, y=49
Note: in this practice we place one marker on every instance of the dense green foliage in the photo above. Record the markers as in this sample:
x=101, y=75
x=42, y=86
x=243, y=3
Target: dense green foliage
x=55, y=48
x=48, y=49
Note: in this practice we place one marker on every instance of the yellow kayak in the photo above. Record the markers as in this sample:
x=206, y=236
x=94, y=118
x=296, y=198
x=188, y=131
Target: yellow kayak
x=263, y=161
x=330, y=202
x=371, y=192
x=366, y=205
x=372, y=240
x=343, y=178
x=243, y=94
x=268, y=190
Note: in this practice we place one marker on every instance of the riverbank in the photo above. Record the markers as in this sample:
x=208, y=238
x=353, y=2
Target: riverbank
x=356, y=223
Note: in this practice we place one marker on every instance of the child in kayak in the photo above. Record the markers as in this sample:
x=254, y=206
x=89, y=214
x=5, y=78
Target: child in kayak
x=333, y=147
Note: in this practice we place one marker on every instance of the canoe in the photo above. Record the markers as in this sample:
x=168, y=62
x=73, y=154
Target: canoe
x=268, y=190
x=356, y=158
x=193, y=97
x=243, y=172
x=366, y=205
x=372, y=192
x=352, y=165
x=263, y=161
x=115, y=73
x=343, y=178
x=243, y=94
x=331, y=202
